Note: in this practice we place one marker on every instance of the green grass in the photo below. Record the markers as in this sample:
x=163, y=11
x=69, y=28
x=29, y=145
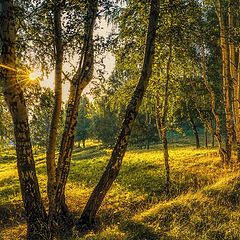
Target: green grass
x=203, y=202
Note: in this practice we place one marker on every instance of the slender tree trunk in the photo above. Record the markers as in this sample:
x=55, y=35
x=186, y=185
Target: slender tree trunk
x=194, y=128
x=206, y=136
x=237, y=106
x=238, y=91
x=34, y=209
x=234, y=61
x=87, y=219
x=50, y=158
x=147, y=123
x=162, y=131
x=217, y=132
x=79, y=82
x=166, y=157
x=226, y=82
x=162, y=118
x=208, y=127
x=213, y=140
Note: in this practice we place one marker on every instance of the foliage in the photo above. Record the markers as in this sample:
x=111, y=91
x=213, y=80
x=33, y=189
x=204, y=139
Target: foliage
x=105, y=122
x=144, y=132
x=84, y=120
x=203, y=199
x=41, y=119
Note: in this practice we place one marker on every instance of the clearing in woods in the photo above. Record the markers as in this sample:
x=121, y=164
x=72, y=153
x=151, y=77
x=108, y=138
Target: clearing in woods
x=203, y=202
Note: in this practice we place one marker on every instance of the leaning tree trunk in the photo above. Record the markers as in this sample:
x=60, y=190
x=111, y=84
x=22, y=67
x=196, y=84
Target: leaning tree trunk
x=87, y=219
x=34, y=209
x=79, y=82
x=50, y=158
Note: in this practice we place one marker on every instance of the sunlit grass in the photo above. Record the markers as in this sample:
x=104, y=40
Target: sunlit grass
x=203, y=201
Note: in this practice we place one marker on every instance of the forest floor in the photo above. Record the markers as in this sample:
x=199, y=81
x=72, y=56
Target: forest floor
x=203, y=201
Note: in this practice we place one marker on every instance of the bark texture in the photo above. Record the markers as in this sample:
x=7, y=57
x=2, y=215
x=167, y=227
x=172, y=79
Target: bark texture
x=87, y=219
x=161, y=113
x=216, y=117
x=194, y=128
x=162, y=131
x=78, y=83
x=35, y=212
x=206, y=136
x=50, y=158
x=237, y=107
x=224, y=44
x=234, y=61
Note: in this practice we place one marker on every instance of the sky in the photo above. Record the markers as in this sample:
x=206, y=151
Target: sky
x=109, y=61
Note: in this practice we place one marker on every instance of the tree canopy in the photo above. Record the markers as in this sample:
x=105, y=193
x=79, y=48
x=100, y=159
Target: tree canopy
x=176, y=75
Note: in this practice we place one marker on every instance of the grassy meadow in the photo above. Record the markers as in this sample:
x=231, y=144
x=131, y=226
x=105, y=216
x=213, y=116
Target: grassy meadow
x=203, y=201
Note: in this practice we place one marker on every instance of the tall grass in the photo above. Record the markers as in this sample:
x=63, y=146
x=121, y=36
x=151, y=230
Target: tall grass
x=203, y=201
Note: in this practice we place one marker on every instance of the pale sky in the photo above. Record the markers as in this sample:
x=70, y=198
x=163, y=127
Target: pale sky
x=109, y=62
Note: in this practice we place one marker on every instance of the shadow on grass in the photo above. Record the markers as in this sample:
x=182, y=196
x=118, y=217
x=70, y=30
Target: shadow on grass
x=147, y=179
x=141, y=177
x=9, y=181
x=150, y=180
x=88, y=153
x=86, y=163
x=139, y=231
x=228, y=196
x=9, y=192
x=185, y=218
x=11, y=215
x=7, y=158
x=192, y=218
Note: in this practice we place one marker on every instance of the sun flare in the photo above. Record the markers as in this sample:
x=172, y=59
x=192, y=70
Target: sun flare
x=36, y=74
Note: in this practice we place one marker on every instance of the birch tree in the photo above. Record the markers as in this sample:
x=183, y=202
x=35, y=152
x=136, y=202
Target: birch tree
x=87, y=219
x=227, y=93
x=34, y=209
x=80, y=80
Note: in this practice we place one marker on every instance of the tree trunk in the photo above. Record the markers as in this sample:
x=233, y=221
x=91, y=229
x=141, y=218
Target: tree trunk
x=237, y=107
x=161, y=114
x=234, y=61
x=79, y=82
x=163, y=135
x=213, y=140
x=226, y=83
x=206, y=136
x=87, y=219
x=195, y=131
x=217, y=132
x=50, y=158
x=147, y=123
x=34, y=209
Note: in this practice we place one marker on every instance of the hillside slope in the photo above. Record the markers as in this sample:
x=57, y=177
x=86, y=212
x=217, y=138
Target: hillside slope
x=203, y=202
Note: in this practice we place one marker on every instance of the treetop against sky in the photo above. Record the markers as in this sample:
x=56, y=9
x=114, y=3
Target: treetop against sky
x=103, y=30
